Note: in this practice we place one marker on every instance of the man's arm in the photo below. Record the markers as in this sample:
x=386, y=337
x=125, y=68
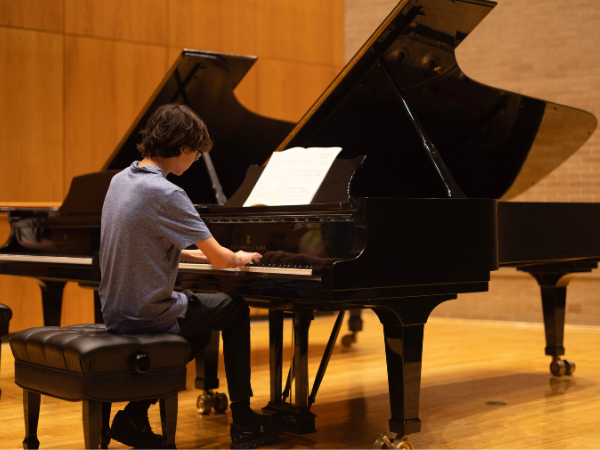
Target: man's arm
x=193, y=255
x=222, y=257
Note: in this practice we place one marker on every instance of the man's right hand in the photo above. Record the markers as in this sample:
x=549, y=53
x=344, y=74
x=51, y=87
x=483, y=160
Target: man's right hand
x=223, y=257
x=247, y=257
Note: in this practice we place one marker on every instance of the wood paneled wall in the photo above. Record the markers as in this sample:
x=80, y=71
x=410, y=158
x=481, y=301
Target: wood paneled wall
x=75, y=73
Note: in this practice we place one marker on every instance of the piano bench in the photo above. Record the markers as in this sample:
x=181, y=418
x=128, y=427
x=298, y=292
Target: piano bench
x=87, y=363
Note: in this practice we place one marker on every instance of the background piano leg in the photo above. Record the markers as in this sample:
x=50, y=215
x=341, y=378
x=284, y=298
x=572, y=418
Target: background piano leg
x=355, y=324
x=98, y=317
x=52, y=293
x=300, y=419
x=207, y=366
x=403, y=328
x=553, y=280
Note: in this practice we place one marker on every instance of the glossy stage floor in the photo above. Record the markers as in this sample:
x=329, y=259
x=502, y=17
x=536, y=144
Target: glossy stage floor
x=485, y=385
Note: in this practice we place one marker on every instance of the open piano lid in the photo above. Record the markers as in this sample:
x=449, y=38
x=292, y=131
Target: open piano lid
x=495, y=143
x=205, y=82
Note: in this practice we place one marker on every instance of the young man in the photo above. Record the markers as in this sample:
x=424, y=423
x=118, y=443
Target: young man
x=147, y=224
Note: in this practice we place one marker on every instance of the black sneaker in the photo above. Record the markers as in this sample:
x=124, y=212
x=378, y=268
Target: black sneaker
x=264, y=429
x=134, y=432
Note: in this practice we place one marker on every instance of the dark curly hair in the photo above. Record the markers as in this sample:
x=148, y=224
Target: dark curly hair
x=171, y=128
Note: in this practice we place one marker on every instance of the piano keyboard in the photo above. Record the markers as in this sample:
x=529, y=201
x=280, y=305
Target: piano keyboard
x=47, y=259
x=255, y=269
x=82, y=260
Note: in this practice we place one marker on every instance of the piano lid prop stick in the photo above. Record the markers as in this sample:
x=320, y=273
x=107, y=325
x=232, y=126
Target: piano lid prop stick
x=326, y=357
x=288, y=384
x=214, y=179
x=434, y=156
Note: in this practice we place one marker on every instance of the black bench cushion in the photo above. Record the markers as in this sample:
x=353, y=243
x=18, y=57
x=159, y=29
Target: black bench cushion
x=5, y=316
x=87, y=362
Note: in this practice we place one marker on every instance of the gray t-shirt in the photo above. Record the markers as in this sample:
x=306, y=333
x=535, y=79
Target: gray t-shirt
x=146, y=222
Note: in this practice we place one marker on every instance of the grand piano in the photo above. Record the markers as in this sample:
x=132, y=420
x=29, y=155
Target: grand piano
x=406, y=219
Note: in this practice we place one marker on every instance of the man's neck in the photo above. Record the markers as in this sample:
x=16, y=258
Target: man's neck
x=161, y=163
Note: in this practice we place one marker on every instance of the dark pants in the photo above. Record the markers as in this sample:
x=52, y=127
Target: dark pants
x=210, y=312
x=230, y=315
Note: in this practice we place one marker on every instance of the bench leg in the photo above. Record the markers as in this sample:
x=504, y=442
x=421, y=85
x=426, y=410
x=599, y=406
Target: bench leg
x=92, y=420
x=31, y=408
x=168, y=418
x=105, y=425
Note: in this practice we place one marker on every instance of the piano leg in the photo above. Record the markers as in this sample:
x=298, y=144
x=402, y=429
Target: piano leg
x=98, y=317
x=207, y=364
x=553, y=280
x=52, y=293
x=403, y=323
x=276, y=353
x=297, y=410
x=207, y=367
x=355, y=324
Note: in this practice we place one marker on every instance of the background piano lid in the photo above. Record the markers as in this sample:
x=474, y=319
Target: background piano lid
x=495, y=143
x=205, y=81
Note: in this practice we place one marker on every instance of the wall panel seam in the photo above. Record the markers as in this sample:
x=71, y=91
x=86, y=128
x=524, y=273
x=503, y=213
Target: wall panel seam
x=296, y=61
x=101, y=38
x=168, y=34
x=125, y=41
x=257, y=77
x=37, y=30
x=64, y=112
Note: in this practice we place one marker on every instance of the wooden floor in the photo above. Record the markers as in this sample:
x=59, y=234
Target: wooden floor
x=484, y=385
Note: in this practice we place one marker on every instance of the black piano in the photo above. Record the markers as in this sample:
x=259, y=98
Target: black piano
x=406, y=219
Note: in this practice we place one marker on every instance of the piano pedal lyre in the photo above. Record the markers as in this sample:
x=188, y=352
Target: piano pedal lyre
x=384, y=442
x=208, y=400
x=560, y=367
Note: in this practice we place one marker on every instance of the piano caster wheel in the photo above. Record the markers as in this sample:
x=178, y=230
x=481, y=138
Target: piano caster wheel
x=384, y=442
x=204, y=402
x=220, y=402
x=348, y=340
x=558, y=367
x=570, y=366
x=208, y=400
x=402, y=443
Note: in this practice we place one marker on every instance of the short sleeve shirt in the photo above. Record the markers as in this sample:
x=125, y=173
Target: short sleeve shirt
x=146, y=222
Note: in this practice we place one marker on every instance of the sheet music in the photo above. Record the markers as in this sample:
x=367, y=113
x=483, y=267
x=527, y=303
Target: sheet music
x=274, y=176
x=292, y=177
